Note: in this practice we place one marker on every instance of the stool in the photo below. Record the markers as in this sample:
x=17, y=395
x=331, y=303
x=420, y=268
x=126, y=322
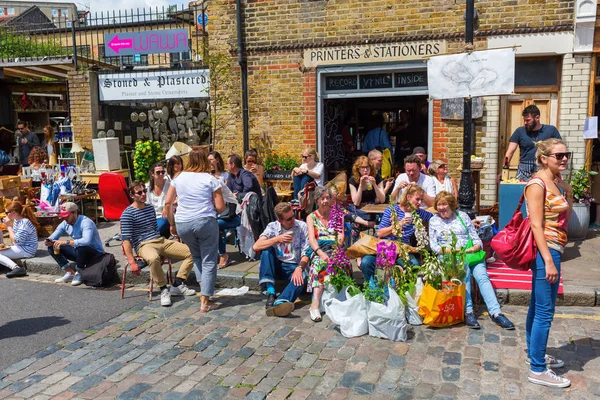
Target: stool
x=163, y=261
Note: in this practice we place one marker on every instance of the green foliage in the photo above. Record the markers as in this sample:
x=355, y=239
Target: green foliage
x=340, y=279
x=280, y=161
x=581, y=182
x=21, y=46
x=146, y=153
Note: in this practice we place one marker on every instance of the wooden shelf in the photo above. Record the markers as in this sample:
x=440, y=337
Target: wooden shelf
x=41, y=111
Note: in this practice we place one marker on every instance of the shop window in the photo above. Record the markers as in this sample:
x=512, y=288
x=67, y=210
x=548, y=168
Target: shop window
x=137, y=59
x=540, y=74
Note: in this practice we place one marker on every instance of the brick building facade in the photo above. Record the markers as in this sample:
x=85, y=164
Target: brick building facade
x=293, y=48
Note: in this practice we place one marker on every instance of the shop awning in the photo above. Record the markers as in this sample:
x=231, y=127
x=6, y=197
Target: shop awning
x=52, y=67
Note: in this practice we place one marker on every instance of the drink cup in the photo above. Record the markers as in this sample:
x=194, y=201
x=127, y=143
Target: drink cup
x=57, y=250
x=369, y=185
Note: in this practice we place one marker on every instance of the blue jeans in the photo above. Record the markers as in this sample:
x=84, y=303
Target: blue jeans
x=299, y=182
x=541, y=311
x=368, y=265
x=355, y=210
x=271, y=266
x=479, y=272
x=163, y=227
x=80, y=254
x=201, y=236
x=226, y=224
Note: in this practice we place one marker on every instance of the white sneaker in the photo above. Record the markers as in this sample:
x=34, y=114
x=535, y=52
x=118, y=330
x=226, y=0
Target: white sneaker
x=67, y=277
x=76, y=279
x=181, y=290
x=551, y=362
x=549, y=378
x=165, y=298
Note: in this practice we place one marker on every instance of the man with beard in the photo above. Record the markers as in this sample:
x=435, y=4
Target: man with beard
x=525, y=137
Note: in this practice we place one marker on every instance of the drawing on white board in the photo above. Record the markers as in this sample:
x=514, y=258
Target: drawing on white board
x=482, y=73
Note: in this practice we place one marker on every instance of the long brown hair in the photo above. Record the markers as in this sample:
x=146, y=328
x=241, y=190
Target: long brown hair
x=198, y=161
x=24, y=211
x=50, y=135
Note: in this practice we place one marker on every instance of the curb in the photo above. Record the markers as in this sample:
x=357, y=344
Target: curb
x=576, y=296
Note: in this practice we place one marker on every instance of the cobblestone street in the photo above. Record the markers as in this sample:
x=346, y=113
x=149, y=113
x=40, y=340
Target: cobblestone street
x=151, y=352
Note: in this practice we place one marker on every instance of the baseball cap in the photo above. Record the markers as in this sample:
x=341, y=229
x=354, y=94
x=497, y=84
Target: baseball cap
x=66, y=209
x=419, y=150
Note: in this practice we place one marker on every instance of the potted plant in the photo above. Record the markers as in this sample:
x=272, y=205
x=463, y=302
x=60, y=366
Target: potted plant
x=146, y=153
x=279, y=166
x=581, y=182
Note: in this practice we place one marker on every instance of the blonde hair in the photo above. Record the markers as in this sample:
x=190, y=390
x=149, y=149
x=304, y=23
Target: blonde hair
x=410, y=190
x=312, y=152
x=447, y=198
x=356, y=168
x=544, y=148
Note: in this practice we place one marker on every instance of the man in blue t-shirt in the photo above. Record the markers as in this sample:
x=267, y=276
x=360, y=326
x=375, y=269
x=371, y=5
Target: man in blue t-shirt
x=140, y=234
x=525, y=138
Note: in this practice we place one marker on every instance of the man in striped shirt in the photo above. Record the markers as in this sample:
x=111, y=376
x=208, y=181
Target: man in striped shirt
x=140, y=234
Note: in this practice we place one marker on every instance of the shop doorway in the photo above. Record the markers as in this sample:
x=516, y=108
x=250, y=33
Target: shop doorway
x=406, y=120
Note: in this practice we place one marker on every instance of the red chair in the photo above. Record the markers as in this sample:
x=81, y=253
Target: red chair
x=114, y=195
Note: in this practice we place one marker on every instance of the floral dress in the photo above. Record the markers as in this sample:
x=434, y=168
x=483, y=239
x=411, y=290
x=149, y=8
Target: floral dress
x=324, y=235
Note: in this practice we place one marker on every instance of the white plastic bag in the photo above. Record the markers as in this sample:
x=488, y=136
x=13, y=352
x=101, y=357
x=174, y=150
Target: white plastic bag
x=349, y=312
x=418, y=289
x=412, y=311
x=329, y=292
x=387, y=321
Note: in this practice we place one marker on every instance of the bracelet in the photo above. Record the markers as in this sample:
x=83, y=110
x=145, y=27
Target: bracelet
x=316, y=250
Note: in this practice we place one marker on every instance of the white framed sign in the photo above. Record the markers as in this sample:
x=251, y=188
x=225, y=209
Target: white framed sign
x=154, y=85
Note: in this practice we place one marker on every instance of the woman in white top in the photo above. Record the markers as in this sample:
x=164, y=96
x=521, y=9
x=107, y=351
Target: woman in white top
x=199, y=199
x=443, y=181
x=310, y=170
x=22, y=226
x=218, y=166
x=157, y=191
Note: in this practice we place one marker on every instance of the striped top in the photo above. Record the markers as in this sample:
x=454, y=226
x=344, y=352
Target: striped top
x=139, y=225
x=556, y=208
x=407, y=230
x=25, y=236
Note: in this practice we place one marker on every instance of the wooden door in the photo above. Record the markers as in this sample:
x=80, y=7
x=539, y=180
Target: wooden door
x=511, y=118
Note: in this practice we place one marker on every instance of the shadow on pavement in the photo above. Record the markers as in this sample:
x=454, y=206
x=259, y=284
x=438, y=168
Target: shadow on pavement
x=30, y=326
x=577, y=353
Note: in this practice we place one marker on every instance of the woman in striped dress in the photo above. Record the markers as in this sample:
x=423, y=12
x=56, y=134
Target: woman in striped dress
x=22, y=226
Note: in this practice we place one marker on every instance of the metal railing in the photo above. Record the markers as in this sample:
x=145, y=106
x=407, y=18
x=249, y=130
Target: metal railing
x=82, y=40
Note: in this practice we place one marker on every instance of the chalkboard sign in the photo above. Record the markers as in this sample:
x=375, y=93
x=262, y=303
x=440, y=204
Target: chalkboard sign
x=376, y=81
x=455, y=108
x=341, y=82
x=278, y=175
x=410, y=79
x=333, y=147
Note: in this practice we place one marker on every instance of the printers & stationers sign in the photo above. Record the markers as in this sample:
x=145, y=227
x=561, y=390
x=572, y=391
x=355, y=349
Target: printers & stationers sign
x=154, y=85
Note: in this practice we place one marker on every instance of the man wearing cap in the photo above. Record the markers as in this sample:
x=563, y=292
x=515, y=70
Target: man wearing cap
x=420, y=152
x=139, y=231
x=83, y=248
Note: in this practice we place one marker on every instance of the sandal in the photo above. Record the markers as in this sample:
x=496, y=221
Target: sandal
x=224, y=264
x=315, y=315
x=210, y=307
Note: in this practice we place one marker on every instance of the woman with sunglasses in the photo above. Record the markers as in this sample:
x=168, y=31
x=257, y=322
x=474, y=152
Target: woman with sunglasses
x=253, y=164
x=549, y=203
x=157, y=190
x=22, y=226
x=443, y=181
x=310, y=170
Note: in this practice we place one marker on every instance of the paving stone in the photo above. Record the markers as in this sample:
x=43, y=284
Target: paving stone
x=452, y=358
x=395, y=361
x=450, y=374
x=306, y=360
x=245, y=352
x=255, y=396
x=134, y=391
x=364, y=388
x=86, y=383
x=349, y=379
x=491, y=338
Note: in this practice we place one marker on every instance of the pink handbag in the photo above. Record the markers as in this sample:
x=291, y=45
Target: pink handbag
x=514, y=244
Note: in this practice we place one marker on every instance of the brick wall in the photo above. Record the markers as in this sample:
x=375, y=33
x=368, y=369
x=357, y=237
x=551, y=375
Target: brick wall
x=80, y=100
x=490, y=148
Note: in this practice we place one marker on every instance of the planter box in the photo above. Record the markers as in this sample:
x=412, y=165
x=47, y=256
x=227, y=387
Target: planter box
x=276, y=175
x=579, y=222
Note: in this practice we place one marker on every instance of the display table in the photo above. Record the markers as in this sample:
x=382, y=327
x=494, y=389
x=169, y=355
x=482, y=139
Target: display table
x=93, y=178
x=508, y=198
x=80, y=198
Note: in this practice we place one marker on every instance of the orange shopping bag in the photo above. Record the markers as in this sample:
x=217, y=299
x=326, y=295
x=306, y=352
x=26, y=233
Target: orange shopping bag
x=444, y=307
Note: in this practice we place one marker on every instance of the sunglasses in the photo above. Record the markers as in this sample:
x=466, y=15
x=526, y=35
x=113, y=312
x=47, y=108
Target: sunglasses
x=160, y=172
x=560, y=156
x=443, y=166
x=305, y=157
x=141, y=192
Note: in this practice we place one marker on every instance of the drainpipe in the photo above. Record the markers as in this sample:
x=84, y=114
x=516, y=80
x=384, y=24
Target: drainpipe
x=244, y=72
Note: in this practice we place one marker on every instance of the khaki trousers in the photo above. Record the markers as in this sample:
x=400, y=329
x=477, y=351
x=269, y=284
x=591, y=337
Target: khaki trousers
x=152, y=250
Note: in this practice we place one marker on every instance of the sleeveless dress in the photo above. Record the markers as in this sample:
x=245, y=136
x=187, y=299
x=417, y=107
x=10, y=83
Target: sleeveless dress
x=324, y=235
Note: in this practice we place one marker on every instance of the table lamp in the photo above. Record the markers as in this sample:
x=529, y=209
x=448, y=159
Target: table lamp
x=76, y=149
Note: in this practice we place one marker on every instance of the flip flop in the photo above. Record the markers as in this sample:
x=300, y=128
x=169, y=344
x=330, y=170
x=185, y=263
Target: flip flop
x=210, y=307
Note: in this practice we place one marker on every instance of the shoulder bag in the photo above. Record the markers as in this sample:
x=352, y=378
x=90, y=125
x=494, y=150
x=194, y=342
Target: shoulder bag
x=476, y=257
x=514, y=244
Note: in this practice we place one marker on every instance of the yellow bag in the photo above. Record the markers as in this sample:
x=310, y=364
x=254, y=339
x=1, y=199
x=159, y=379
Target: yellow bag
x=386, y=167
x=367, y=245
x=338, y=186
x=444, y=307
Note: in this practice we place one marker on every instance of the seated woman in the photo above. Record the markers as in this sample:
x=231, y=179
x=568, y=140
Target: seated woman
x=441, y=226
x=22, y=226
x=228, y=219
x=321, y=237
x=157, y=191
x=443, y=181
x=310, y=170
x=218, y=166
x=388, y=227
x=253, y=164
x=174, y=166
x=366, y=187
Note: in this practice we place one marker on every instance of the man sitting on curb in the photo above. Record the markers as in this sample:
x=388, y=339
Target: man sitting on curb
x=139, y=232
x=283, y=245
x=85, y=247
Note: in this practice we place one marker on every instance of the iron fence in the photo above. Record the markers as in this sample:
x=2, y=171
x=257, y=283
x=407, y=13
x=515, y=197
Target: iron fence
x=83, y=40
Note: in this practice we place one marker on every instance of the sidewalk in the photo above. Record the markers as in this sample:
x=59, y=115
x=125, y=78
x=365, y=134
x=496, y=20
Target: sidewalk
x=580, y=268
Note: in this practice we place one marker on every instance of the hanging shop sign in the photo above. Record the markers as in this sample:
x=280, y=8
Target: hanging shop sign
x=154, y=85
x=147, y=42
x=387, y=80
x=373, y=53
